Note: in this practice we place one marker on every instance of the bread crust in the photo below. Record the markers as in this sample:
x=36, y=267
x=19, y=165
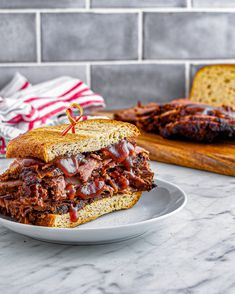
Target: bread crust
x=91, y=211
x=47, y=143
x=214, y=85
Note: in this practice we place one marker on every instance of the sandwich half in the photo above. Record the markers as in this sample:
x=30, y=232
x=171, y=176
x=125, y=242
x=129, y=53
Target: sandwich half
x=65, y=181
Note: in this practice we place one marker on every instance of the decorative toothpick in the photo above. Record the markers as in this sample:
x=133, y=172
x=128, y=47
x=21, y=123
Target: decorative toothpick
x=72, y=118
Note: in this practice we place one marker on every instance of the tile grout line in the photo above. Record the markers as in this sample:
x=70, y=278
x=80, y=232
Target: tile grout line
x=88, y=4
x=88, y=74
x=140, y=35
x=126, y=62
x=189, y=4
x=38, y=36
x=122, y=10
x=187, y=79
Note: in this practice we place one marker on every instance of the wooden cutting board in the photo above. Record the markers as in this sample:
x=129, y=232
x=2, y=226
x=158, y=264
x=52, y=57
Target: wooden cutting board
x=217, y=157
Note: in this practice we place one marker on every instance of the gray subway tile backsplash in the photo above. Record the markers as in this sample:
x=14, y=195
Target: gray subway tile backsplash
x=137, y=49
x=17, y=37
x=192, y=35
x=89, y=36
x=38, y=74
x=15, y=4
x=213, y=3
x=124, y=85
x=137, y=3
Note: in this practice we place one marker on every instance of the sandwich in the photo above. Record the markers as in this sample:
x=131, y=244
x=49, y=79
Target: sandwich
x=66, y=180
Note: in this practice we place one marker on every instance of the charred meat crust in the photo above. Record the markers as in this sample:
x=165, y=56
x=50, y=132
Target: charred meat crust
x=183, y=119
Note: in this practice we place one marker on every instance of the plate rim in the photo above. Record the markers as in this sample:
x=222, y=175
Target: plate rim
x=78, y=228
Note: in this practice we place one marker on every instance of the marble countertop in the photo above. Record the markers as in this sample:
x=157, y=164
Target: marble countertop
x=190, y=252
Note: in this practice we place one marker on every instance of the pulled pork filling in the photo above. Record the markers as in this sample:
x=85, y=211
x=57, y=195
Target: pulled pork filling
x=30, y=187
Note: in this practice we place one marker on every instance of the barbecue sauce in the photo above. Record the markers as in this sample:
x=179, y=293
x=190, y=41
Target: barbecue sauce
x=121, y=152
x=91, y=190
x=128, y=163
x=209, y=110
x=69, y=165
x=71, y=191
x=121, y=181
x=73, y=213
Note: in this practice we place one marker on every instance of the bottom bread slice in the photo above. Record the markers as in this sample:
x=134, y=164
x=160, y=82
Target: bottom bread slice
x=91, y=211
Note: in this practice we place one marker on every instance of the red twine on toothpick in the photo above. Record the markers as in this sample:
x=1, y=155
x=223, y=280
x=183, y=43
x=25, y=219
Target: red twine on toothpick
x=73, y=120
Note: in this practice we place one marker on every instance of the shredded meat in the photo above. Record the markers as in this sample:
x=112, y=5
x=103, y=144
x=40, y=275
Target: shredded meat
x=9, y=186
x=31, y=187
x=85, y=170
x=183, y=119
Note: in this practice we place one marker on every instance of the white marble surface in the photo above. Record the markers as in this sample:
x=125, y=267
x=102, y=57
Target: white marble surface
x=191, y=252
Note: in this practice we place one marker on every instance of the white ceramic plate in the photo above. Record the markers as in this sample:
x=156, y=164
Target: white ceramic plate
x=152, y=207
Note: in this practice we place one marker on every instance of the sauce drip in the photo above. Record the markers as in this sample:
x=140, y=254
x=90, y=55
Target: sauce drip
x=128, y=163
x=71, y=191
x=73, y=213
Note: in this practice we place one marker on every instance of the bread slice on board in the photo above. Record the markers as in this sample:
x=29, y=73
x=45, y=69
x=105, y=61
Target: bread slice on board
x=91, y=211
x=214, y=85
x=47, y=143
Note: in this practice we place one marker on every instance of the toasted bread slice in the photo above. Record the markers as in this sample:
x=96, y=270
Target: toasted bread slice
x=91, y=211
x=214, y=85
x=47, y=143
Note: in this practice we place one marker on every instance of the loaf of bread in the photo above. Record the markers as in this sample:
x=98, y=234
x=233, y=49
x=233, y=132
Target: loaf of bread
x=47, y=143
x=214, y=85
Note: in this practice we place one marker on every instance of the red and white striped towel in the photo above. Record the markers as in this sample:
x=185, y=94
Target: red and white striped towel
x=24, y=106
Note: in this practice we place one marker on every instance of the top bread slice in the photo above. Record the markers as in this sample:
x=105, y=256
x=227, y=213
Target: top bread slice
x=214, y=85
x=47, y=143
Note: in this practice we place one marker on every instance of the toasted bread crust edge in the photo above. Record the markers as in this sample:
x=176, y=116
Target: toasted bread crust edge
x=35, y=144
x=91, y=211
